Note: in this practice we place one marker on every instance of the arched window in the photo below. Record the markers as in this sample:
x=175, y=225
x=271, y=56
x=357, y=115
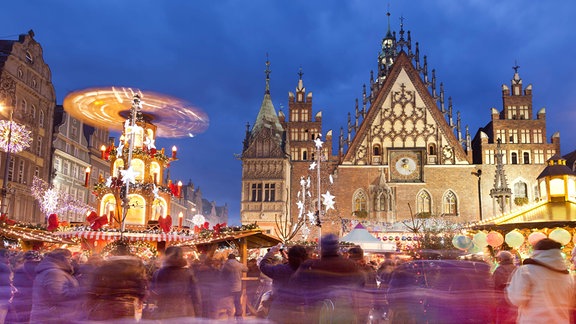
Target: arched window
x=23, y=106
x=376, y=150
x=526, y=157
x=33, y=112
x=41, y=118
x=381, y=201
x=431, y=149
x=423, y=203
x=520, y=190
x=360, y=202
x=450, y=203
x=304, y=155
x=514, y=158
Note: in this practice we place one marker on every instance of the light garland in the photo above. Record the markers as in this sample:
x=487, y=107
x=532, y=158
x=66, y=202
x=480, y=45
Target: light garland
x=54, y=201
x=14, y=137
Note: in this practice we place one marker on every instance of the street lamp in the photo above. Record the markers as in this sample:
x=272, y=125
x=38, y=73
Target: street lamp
x=478, y=174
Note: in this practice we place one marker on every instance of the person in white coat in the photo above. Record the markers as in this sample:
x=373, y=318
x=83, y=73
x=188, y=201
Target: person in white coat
x=542, y=287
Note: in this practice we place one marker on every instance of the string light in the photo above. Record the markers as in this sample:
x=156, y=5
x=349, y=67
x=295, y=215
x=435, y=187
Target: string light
x=14, y=137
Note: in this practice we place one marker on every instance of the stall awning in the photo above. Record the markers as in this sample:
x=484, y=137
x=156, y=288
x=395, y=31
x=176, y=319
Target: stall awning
x=32, y=235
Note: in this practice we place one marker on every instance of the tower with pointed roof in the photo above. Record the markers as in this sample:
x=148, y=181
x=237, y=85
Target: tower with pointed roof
x=265, y=167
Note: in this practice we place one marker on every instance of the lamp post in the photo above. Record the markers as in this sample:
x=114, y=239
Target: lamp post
x=478, y=174
x=4, y=206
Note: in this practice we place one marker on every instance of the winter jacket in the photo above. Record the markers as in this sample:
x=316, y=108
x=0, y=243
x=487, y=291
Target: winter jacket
x=23, y=283
x=176, y=290
x=55, y=293
x=542, y=290
x=232, y=274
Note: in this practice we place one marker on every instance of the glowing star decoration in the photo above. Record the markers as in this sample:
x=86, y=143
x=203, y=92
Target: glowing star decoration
x=50, y=201
x=119, y=149
x=19, y=137
x=312, y=166
x=318, y=142
x=108, y=182
x=198, y=220
x=311, y=216
x=149, y=142
x=129, y=175
x=328, y=200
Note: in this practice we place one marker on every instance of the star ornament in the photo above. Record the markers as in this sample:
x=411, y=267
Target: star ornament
x=109, y=182
x=129, y=175
x=318, y=142
x=328, y=200
x=155, y=192
x=312, y=166
x=119, y=149
x=149, y=142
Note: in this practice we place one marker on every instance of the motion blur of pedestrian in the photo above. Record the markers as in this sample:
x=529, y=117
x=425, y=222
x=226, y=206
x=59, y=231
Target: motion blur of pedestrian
x=5, y=282
x=505, y=312
x=231, y=275
x=328, y=284
x=284, y=306
x=55, y=291
x=365, y=298
x=542, y=286
x=23, y=282
x=175, y=287
x=118, y=288
x=208, y=278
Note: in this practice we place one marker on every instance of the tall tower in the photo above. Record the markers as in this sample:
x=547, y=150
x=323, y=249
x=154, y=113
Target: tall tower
x=265, y=168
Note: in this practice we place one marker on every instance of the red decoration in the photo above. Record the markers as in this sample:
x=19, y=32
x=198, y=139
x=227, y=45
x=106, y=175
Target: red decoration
x=206, y=225
x=196, y=229
x=165, y=223
x=99, y=222
x=92, y=217
x=173, y=189
x=6, y=220
x=152, y=152
x=52, y=222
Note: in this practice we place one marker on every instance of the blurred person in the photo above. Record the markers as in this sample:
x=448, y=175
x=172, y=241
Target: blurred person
x=55, y=290
x=23, y=281
x=283, y=304
x=365, y=298
x=5, y=282
x=542, y=287
x=118, y=288
x=208, y=278
x=252, y=284
x=231, y=274
x=175, y=287
x=505, y=313
x=327, y=285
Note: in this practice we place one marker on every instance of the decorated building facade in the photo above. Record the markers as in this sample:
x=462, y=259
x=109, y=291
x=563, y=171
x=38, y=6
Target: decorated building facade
x=404, y=152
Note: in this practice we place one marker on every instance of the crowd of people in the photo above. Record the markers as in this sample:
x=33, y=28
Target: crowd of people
x=291, y=285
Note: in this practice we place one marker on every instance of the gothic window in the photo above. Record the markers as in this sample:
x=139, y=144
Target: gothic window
x=360, y=202
x=423, y=203
x=450, y=203
x=376, y=150
x=526, y=158
x=256, y=193
x=520, y=190
x=431, y=149
x=304, y=155
x=269, y=192
x=514, y=158
x=381, y=201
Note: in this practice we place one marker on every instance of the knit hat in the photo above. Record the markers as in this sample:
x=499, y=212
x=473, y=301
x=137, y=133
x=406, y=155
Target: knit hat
x=547, y=244
x=329, y=245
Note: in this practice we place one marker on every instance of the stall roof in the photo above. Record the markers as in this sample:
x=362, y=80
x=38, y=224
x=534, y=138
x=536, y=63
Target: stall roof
x=31, y=234
x=255, y=239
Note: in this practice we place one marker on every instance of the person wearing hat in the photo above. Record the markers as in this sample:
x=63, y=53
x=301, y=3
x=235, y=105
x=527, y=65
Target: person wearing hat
x=505, y=313
x=231, y=273
x=542, y=287
x=328, y=285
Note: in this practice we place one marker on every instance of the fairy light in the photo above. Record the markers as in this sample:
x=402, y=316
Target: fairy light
x=15, y=138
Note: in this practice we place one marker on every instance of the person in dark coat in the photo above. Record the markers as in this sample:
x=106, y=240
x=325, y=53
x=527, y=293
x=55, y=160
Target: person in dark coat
x=175, y=287
x=284, y=305
x=328, y=284
x=505, y=312
x=211, y=290
x=23, y=281
x=55, y=292
x=117, y=290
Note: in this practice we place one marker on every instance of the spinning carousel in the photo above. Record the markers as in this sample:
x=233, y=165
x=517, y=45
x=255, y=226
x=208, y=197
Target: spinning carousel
x=136, y=194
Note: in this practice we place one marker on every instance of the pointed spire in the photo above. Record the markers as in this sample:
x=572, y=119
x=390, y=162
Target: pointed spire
x=442, y=109
x=267, y=72
x=500, y=192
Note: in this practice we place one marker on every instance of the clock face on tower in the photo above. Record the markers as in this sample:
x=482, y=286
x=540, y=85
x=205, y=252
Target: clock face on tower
x=406, y=165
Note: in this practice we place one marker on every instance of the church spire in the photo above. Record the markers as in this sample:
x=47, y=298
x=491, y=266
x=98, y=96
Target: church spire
x=267, y=117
